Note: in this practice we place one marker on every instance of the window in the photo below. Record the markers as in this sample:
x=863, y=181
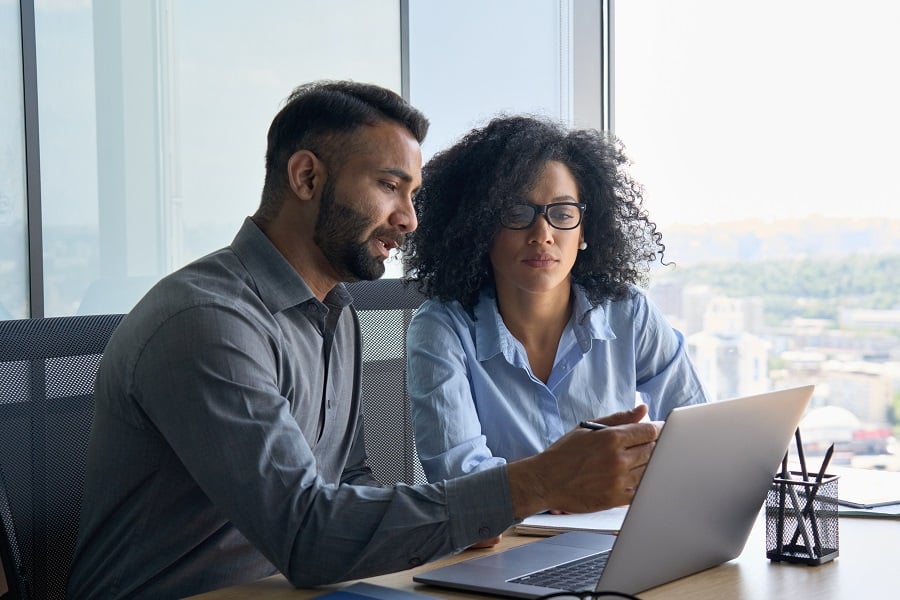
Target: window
x=470, y=60
x=765, y=135
x=153, y=120
x=13, y=223
x=153, y=114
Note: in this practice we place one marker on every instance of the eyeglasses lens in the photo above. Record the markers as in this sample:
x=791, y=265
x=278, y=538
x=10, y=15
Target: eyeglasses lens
x=564, y=216
x=518, y=216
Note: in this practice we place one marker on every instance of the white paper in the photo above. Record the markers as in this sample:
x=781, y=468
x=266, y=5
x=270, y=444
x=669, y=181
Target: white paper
x=604, y=521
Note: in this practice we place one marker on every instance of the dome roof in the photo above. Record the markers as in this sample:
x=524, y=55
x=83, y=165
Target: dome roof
x=830, y=417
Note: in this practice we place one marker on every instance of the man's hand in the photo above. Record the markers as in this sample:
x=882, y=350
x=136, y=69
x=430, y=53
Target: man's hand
x=488, y=543
x=586, y=470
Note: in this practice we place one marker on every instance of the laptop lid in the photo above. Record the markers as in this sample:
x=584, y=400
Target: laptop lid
x=694, y=508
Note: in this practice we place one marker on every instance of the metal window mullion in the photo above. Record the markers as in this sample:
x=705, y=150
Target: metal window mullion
x=404, y=49
x=607, y=63
x=32, y=161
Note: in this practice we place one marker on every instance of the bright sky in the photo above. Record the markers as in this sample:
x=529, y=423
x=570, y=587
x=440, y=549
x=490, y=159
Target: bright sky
x=766, y=109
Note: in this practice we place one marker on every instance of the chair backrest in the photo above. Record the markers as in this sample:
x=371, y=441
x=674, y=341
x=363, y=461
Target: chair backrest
x=47, y=371
x=385, y=308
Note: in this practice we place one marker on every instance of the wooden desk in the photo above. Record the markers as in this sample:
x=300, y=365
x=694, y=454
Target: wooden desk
x=866, y=568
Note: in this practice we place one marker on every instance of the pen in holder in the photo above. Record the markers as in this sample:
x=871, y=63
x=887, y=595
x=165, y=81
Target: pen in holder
x=802, y=519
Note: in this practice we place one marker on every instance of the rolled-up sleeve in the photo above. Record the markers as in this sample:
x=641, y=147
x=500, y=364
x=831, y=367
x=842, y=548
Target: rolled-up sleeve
x=665, y=376
x=447, y=426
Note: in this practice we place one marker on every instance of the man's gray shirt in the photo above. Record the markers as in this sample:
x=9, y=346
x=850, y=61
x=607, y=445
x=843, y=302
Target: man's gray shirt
x=227, y=443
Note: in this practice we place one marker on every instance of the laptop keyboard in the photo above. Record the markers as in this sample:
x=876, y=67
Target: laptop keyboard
x=581, y=574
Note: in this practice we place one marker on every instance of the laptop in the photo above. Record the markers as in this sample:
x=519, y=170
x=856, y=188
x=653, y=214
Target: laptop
x=693, y=509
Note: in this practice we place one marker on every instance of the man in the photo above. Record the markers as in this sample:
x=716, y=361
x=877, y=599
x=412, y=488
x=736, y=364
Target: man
x=227, y=441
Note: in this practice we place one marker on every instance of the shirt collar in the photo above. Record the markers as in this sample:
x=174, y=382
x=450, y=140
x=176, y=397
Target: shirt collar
x=278, y=284
x=590, y=322
x=492, y=337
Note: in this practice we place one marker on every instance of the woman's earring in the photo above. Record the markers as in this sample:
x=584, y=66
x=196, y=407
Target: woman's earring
x=582, y=246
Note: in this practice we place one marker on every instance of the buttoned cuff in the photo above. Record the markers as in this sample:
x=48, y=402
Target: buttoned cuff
x=480, y=506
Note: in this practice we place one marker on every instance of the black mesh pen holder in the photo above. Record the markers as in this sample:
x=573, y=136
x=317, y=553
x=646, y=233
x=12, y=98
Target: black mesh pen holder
x=802, y=520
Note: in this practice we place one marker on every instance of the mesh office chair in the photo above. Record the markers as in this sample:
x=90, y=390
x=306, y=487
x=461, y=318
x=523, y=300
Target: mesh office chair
x=47, y=370
x=385, y=308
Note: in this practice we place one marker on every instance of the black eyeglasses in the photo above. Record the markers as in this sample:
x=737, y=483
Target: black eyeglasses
x=560, y=215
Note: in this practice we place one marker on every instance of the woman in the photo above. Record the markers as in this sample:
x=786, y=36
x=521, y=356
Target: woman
x=530, y=244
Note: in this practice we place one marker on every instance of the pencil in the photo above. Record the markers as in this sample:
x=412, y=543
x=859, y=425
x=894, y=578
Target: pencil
x=809, y=507
x=801, y=455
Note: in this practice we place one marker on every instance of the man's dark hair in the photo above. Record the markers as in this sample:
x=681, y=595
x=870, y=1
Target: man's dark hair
x=465, y=187
x=318, y=116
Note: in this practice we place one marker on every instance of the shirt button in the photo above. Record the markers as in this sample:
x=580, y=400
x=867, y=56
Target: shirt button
x=415, y=561
x=484, y=532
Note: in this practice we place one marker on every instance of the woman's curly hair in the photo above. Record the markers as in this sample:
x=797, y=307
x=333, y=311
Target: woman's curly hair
x=465, y=187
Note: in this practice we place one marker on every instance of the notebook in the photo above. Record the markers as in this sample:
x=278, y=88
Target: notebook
x=693, y=509
x=604, y=521
x=864, y=488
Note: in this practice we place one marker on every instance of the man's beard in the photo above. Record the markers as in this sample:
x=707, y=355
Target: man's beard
x=339, y=229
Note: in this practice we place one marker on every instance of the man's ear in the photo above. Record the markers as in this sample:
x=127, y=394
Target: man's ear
x=305, y=173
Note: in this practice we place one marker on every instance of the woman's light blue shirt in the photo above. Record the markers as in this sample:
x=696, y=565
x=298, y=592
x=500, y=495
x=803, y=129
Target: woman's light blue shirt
x=476, y=402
